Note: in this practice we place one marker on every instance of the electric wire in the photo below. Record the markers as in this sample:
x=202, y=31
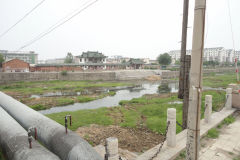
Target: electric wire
x=55, y=26
x=51, y=27
x=28, y=13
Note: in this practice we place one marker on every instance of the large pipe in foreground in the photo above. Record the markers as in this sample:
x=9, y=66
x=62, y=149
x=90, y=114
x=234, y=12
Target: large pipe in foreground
x=67, y=146
x=14, y=141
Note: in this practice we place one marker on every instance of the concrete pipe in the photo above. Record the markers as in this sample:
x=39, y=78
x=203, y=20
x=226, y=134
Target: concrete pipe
x=14, y=141
x=68, y=146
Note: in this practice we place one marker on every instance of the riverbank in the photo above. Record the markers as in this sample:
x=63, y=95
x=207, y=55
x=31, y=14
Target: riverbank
x=44, y=95
x=146, y=113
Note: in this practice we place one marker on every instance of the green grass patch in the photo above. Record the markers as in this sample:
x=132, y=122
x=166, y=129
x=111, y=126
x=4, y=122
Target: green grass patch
x=213, y=133
x=218, y=80
x=84, y=117
x=83, y=99
x=64, y=101
x=111, y=93
x=38, y=107
x=28, y=88
x=230, y=119
x=146, y=111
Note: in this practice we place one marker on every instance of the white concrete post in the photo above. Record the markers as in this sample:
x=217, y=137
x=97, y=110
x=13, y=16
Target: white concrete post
x=208, y=108
x=112, y=148
x=171, y=134
x=228, y=98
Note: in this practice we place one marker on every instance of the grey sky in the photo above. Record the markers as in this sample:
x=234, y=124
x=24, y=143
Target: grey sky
x=133, y=28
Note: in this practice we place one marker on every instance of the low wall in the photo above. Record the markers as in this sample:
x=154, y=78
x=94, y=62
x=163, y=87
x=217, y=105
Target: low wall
x=175, y=74
x=75, y=76
x=107, y=75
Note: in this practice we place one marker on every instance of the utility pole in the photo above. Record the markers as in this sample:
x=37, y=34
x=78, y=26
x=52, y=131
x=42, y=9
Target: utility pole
x=183, y=77
x=194, y=110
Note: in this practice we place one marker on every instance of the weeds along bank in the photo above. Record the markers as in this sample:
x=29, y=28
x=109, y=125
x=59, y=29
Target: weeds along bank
x=43, y=95
x=148, y=114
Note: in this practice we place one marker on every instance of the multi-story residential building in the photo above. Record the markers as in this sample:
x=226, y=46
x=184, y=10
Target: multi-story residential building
x=27, y=56
x=218, y=54
x=176, y=55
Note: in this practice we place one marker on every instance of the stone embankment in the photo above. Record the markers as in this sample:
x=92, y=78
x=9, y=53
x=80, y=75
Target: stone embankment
x=101, y=75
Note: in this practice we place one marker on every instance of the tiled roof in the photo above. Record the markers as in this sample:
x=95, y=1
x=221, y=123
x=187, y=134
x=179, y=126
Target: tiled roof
x=90, y=54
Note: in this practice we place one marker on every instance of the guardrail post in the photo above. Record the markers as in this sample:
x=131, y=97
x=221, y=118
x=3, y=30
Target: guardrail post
x=208, y=108
x=228, y=104
x=171, y=133
x=112, y=149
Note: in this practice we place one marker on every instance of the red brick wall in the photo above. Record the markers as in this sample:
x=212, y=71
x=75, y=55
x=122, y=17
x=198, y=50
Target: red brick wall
x=55, y=68
x=15, y=65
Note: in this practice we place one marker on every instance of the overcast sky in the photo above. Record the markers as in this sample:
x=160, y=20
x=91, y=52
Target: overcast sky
x=133, y=28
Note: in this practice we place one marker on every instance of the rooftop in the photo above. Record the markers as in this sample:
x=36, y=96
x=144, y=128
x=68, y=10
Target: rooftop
x=92, y=54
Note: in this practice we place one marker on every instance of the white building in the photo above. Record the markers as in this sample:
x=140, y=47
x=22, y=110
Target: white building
x=218, y=54
x=27, y=56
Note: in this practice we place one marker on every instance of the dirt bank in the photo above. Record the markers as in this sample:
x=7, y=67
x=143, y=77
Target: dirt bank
x=132, y=139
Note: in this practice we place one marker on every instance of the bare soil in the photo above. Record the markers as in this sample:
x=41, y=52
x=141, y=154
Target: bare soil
x=132, y=139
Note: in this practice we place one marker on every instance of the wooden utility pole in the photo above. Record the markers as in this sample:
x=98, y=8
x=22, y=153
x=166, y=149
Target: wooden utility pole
x=183, y=80
x=194, y=110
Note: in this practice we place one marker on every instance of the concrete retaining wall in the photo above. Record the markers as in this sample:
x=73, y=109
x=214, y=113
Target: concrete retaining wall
x=106, y=75
x=31, y=76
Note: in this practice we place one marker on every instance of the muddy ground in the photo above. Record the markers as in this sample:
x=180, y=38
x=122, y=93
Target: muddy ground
x=132, y=139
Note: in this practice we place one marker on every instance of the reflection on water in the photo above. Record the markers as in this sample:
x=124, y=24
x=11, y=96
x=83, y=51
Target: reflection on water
x=110, y=101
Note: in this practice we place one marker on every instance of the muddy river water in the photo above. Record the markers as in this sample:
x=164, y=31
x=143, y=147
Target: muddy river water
x=111, y=101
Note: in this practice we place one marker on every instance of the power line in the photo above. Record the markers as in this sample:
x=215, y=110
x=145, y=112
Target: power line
x=53, y=27
x=21, y=19
x=55, y=24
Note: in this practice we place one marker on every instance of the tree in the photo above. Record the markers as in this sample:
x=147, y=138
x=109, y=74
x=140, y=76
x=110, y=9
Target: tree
x=1, y=60
x=69, y=58
x=164, y=59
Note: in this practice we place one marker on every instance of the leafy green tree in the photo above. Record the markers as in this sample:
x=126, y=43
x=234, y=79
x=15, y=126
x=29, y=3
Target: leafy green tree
x=1, y=60
x=69, y=58
x=177, y=62
x=164, y=59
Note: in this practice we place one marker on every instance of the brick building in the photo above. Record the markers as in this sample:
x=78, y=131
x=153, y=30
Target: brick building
x=15, y=65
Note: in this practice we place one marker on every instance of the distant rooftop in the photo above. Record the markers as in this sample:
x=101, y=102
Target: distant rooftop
x=92, y=54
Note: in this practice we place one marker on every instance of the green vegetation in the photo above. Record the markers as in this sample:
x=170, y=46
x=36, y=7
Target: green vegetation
x=164, y=59
x=181, y=156
x=148, y=111
x=69, y=58
x=64, y=101
x=1, y=60
x=63, y=73
x=48, y=102
x=213, y=133
x=23, y=90
x=211, y=63
x=29, y=88
x=230, y=119
x=38, y=107
x=219, y=80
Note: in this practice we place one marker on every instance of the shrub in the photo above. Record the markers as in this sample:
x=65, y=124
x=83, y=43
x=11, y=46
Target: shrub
x=38, y=107
x=64, y=73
